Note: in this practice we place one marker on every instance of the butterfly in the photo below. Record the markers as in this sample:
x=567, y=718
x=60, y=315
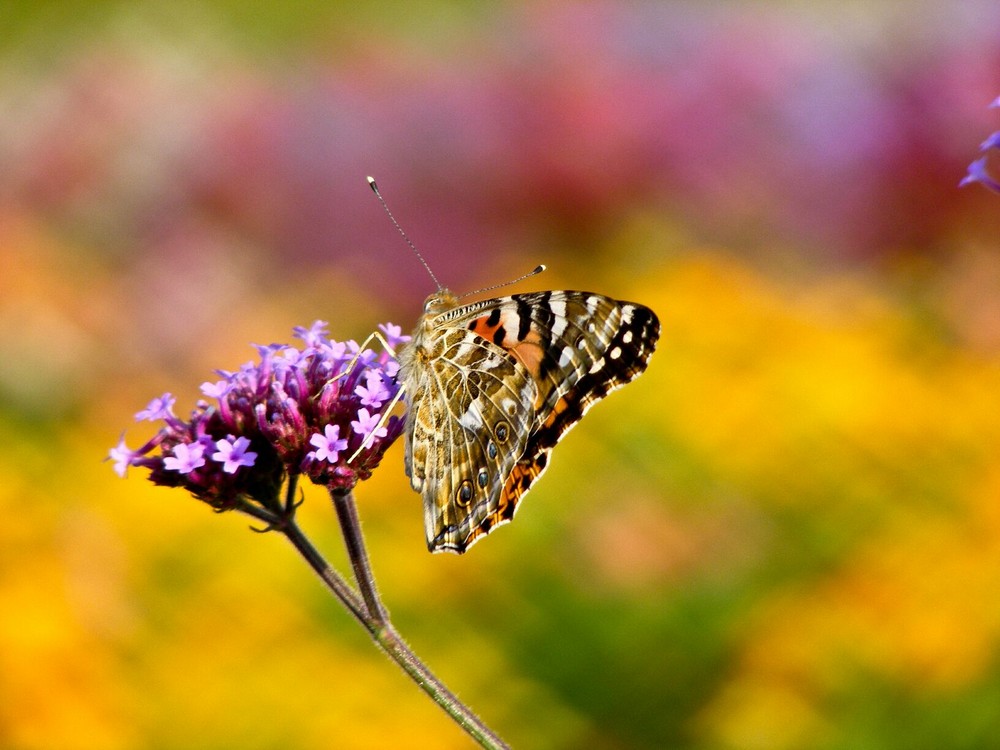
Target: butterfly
x=492, y=386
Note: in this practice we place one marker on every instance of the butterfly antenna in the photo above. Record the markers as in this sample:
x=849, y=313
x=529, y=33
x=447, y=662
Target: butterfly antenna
x=535, y=272
x=374, y=187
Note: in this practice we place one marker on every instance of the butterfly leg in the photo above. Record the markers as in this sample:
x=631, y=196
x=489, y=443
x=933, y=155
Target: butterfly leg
x=362, y=347
x=386, y=413
x=377, y=336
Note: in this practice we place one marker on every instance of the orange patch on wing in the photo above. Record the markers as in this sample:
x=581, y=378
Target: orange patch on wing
x=481, y=327
x=519, y=481
x=560, y=406
x=529, y=352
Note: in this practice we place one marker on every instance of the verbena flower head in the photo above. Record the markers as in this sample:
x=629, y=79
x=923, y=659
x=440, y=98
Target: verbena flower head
x=295, y=412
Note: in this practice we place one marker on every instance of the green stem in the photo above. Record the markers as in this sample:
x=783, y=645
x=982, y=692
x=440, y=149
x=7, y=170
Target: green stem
x=385, y=634
x=331, y=578
x=347, y=514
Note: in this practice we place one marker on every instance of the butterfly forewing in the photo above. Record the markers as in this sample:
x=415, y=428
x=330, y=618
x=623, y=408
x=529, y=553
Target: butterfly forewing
x=592, y=345
x=494, y=385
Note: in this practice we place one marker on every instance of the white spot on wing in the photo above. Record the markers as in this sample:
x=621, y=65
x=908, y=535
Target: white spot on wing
x=597, y=366
x=491, y=362
x=559, y=322
x=511, y=322
x=566, y=357
x=472, y=420
x=465, y=350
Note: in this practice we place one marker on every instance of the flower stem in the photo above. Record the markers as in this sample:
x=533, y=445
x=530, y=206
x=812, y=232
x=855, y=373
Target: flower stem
x=347, y=514
x=333, y=580
x=382, y=631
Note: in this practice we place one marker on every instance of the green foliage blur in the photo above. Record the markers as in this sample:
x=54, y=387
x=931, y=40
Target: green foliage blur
x=786, y=534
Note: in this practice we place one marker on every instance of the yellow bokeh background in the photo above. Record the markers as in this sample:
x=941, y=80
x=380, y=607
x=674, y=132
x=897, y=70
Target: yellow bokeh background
x=786, y=534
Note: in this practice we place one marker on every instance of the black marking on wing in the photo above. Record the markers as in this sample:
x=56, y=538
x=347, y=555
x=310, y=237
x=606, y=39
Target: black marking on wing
x=594, y=386
x=499, y=335
x=524, y=318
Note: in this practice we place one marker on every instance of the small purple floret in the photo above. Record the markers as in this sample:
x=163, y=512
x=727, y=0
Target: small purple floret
x=978, y=170
x=215, y=390
x=372, y=394
x=158, y=408
x=328, y=445
x=978, y=173
x=122, y=457
x=992, y=142
x=187, y=457
x=313, y=335
x=367, y=425
x=393, y=334
x=233, y=454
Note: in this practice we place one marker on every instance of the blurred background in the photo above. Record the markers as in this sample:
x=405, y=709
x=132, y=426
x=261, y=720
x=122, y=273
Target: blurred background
x=785, y=535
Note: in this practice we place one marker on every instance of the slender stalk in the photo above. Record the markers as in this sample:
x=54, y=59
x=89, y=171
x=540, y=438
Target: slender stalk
x=385, y=634
x=293, y=485
x=347, y=514
x=333, y=580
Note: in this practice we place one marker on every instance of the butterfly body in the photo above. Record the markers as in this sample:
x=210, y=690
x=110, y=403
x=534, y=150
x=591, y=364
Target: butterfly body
x=493, y=385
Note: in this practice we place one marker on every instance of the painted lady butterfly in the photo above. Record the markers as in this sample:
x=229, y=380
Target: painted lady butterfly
x=492, y=386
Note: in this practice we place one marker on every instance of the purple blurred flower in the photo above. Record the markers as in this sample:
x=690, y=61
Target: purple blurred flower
x=978, y=170
x=992, y=142
x=122, y=457
x=159, y=408
x=284, y=415
x=217, y=389
x=977, y=173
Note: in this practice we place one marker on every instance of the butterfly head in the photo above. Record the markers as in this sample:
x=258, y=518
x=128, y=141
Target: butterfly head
x=439, y=302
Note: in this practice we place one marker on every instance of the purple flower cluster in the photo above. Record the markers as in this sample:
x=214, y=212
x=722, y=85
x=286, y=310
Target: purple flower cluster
x=978, y=170
x=320, y=411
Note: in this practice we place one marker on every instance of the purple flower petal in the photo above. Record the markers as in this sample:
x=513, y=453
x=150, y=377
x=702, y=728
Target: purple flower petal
x=314, y=335
x=992, y=142
x=393, y=334
x=158, y=408
x=187, y=457
x=217, y=390
x=978, y=173
x=374, y=393
x=233, y=454
x=367, y=425
x=122, y=457
x=328, y=445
